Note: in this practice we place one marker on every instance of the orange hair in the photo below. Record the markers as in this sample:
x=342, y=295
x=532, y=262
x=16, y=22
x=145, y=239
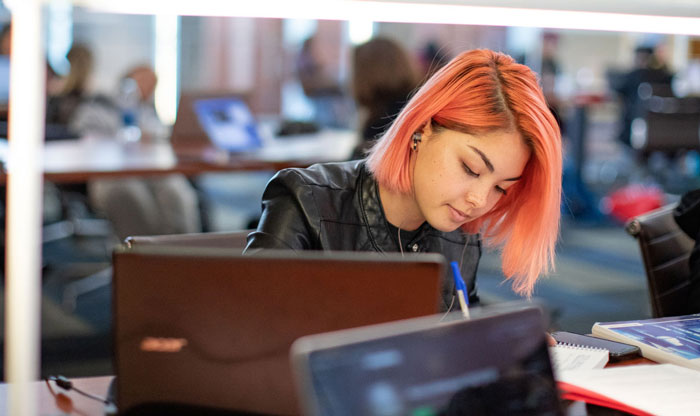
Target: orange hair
x=481, y=91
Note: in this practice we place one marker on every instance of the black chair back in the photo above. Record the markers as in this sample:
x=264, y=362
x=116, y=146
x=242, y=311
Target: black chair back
x=665, y=251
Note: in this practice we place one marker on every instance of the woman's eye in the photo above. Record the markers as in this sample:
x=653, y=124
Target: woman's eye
x=469, y=171
x=501, y=190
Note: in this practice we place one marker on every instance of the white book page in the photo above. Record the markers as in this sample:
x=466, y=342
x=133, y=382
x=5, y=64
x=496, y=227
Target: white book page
x=663, y=389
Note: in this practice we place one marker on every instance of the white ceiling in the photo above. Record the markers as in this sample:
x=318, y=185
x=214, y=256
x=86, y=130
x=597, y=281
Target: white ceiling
x=686, y=8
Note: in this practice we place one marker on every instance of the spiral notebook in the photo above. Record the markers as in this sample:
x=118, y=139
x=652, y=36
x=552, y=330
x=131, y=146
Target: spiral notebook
x=566, y=357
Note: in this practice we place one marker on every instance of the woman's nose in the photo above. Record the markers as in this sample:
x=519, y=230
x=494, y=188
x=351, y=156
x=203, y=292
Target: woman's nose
x=477, y=196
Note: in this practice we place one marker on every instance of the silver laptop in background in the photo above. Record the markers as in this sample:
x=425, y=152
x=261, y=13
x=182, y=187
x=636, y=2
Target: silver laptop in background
x=220, y=119
x=497, y=363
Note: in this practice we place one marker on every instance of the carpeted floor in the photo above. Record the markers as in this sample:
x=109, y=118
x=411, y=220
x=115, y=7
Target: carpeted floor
x=599, y=277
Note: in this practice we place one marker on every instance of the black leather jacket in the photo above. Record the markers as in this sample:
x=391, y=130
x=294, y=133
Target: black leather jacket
x=336, y=206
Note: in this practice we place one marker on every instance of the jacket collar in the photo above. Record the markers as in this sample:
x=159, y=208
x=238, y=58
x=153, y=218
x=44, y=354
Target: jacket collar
x=373, y=213
x=374, y=218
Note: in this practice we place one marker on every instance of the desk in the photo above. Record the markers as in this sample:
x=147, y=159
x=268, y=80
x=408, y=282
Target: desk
x=53, y=400
x=77, y=161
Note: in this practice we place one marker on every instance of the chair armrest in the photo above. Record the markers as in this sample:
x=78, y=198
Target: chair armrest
x=658, y=221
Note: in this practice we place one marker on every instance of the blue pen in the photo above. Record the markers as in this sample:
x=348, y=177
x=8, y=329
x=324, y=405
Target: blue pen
x=461, y=289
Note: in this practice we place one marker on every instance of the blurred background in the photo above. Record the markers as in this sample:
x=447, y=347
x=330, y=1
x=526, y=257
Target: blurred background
x=628, y=105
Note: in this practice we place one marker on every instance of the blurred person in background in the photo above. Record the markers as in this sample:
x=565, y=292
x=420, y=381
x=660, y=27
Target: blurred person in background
x=383, y=78
x=141, y=206
x=649, y=69
x=322, y=86
x=74, y=90
x=549, y=72
x=134, y=206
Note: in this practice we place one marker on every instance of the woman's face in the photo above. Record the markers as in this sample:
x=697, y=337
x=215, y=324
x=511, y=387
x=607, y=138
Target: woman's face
x=458, y=177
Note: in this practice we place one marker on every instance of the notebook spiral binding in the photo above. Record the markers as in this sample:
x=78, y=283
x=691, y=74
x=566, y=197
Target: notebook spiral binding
x=579, y=346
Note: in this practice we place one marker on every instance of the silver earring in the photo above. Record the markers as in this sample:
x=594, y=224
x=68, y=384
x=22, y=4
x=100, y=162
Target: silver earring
x=416, y=138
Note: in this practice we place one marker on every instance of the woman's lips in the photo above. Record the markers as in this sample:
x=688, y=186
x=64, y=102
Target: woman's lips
x=457, y=215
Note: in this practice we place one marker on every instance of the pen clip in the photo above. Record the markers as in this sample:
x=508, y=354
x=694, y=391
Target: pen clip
x=457, y=275
x=461, y=289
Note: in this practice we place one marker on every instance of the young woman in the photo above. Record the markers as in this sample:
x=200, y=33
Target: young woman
x=474, y=153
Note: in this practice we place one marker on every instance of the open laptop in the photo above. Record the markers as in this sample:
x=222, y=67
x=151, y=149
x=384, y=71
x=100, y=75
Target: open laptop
x=219, y=127
x=221, y=119
x=209, y=328
x=497, y=363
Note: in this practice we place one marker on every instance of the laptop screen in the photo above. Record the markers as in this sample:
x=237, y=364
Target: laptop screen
x=490, y=365
x=228, y=123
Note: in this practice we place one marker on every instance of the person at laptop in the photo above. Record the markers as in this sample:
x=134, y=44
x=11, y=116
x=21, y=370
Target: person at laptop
x=475, y=152
x=166, y=204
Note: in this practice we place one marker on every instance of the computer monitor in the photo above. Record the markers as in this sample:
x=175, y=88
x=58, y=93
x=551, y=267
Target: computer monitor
x=210, y=328
x=496, y=363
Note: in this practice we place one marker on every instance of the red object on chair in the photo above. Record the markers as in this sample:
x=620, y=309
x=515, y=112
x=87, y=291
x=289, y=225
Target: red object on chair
x=631, y=201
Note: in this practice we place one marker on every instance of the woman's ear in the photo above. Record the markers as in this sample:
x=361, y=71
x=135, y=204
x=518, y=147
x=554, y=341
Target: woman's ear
x=426, y=130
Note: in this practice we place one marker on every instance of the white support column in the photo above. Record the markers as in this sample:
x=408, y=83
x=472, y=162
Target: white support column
x=24, y=205
x=166, y=50
x=240, y=48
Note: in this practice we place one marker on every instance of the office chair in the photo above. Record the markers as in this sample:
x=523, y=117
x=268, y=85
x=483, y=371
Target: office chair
x=226, y=239
x=665, y=251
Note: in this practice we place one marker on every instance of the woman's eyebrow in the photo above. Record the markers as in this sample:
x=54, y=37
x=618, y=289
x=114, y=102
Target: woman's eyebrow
x=486, y=160
x=488, y=163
